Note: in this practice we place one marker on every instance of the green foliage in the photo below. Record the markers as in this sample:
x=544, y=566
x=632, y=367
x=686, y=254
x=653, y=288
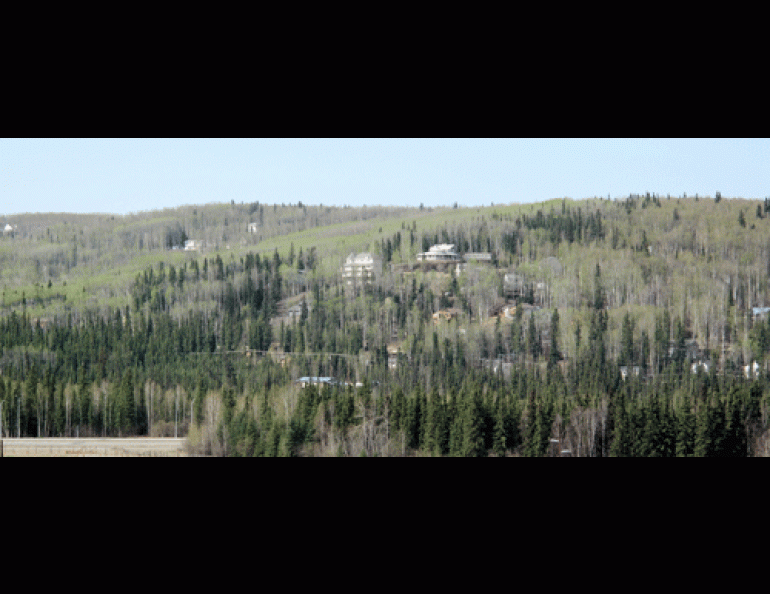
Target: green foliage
x=100, y=334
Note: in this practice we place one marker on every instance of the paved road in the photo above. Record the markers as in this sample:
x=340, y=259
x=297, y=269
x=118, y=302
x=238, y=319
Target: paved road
x=94, y=446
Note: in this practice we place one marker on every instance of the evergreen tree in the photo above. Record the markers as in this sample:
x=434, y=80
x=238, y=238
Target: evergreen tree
x=626, y=356
x=685, y=437
x=473, y=438
x=704, y=431
x=4, y=409
x=30, y=407
x=620, y=434
x=124, y=418
x=531, y=430
x=555, y=354
x=533, y=338
x=436, y=434
x=85, y=402
x=598, y=301
x=500, y=429
x=735, y=439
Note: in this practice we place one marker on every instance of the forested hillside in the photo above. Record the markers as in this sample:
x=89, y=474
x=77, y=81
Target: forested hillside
x=627, y=327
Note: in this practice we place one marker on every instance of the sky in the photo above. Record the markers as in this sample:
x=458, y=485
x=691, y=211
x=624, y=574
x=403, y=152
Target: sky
x=121, y=176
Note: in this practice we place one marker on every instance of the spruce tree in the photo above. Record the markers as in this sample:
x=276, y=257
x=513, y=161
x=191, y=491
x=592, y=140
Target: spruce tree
x=30, y=404
x=531, y=430
x=499, y=432
x=735, y=438
x=544, y=422
x=555, y=353
x=703, y=443
x=626, y=356
x=620, y=435
x=412, y=421
x=473, y=439
x=4, y=411
x=598, y=301
x=456, y=436
x=533, y=338
x=85, y=402
x=685, y=436
x=513, y=425
x=436, y=431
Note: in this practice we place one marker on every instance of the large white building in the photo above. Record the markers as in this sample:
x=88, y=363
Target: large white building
x=442, y=252
x=361, y=268
x=193, y=245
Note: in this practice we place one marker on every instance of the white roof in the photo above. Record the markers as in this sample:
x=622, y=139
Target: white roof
x=362, y=257
x=442, y=247
x=8, y=227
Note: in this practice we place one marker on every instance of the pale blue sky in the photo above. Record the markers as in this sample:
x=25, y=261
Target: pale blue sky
x=130, y=175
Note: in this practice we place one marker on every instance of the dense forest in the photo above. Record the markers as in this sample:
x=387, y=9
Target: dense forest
x=634, y=326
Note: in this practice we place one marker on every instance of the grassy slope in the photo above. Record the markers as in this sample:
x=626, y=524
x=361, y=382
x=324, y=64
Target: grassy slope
x=691, y=279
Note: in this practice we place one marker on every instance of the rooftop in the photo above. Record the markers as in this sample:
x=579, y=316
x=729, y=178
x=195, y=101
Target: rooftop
x=442, y=247
x=317, y=380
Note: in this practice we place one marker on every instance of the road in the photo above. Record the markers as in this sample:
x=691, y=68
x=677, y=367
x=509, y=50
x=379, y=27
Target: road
x=94, y=446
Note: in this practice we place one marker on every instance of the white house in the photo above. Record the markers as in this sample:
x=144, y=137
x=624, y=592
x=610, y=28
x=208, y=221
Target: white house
x=316, y=381
x=442, y=252
x=192, y=245
x=749, y=370
x=706, y=366
x=361, y=268
x=253, y=227
x=625, y=371
x=9, y=229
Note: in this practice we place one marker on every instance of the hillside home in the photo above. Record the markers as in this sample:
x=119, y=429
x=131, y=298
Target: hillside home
x=692, y=350
x=361, y=268
x=303, y=382
x=294, y=313
x=751, y=370
x=393, y=352
x=445, y=314
x=704, y=366
x=193, y=245
x=252, y=228
x=442, y=252
x=514, y=285
x=625, y=371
